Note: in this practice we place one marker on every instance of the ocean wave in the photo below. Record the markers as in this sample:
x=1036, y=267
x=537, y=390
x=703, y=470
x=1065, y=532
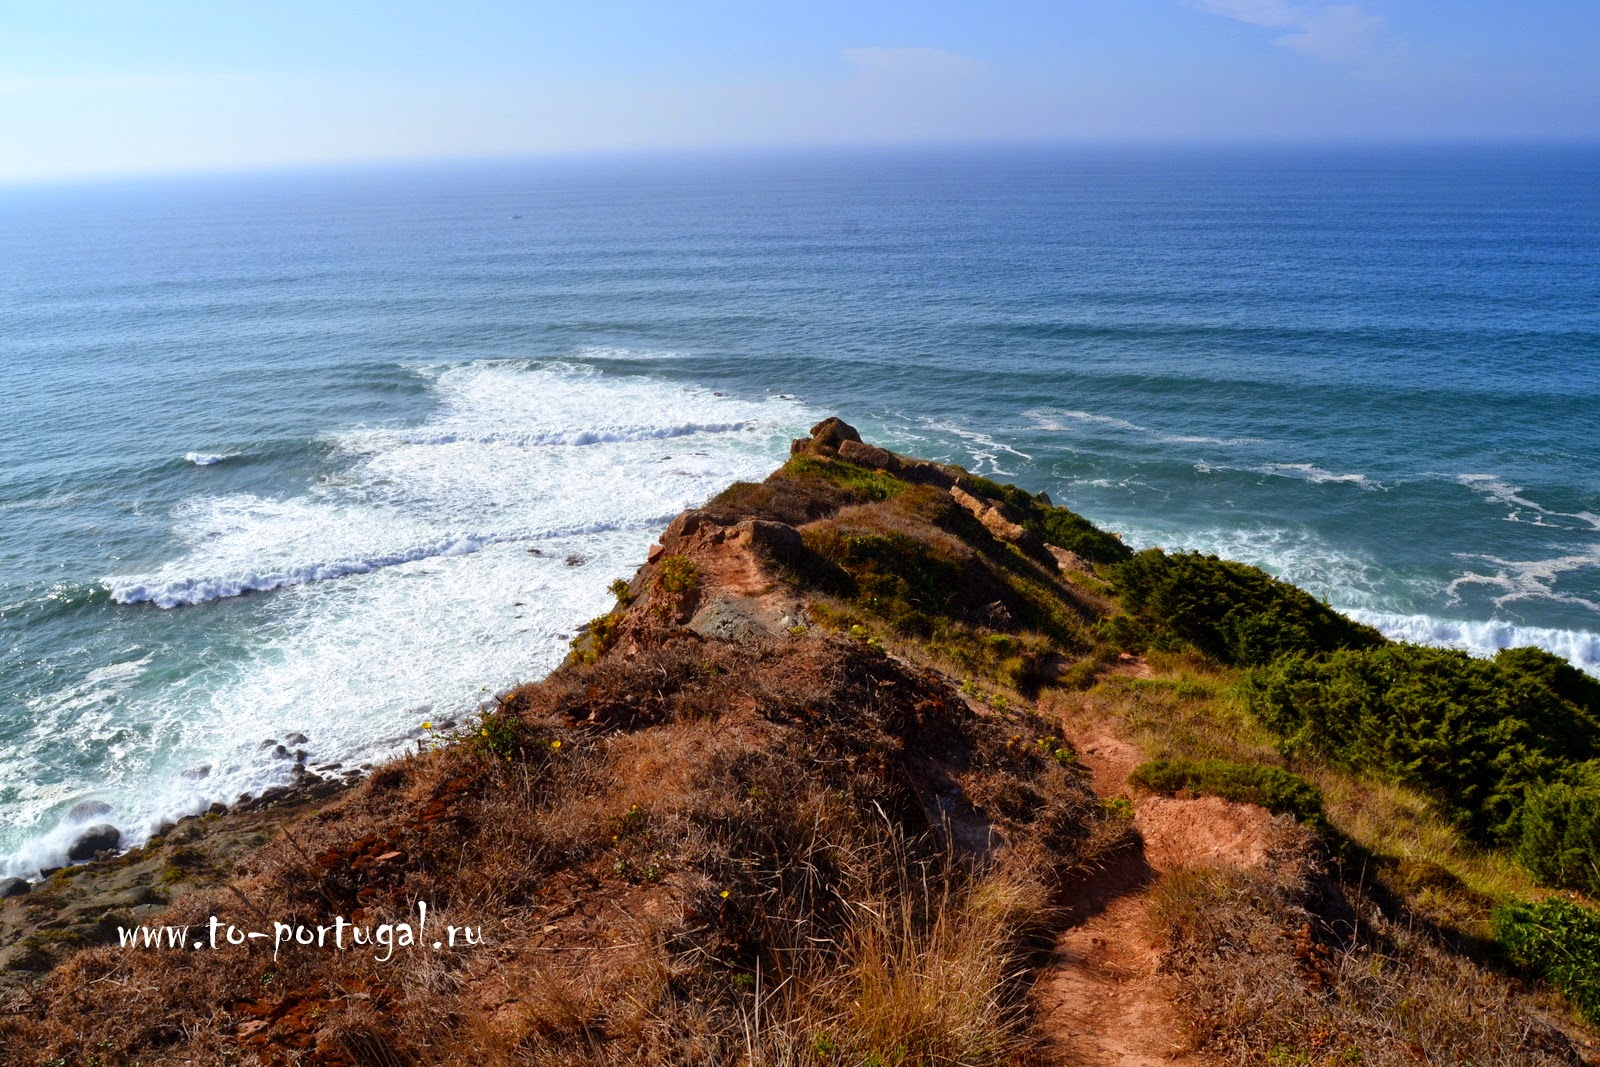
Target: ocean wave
x=1316, y=475
x=202, y=589
x=982, y=447
x=571, y=437
x=1581, y=648
x=1063, y=420
x=1533, y=579
x=208, y=459
x=1494, y=488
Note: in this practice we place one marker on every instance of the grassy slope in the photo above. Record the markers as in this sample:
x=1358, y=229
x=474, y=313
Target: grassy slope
x=780, y=848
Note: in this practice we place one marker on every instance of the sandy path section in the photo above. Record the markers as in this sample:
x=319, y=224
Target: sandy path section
x=1101, y=998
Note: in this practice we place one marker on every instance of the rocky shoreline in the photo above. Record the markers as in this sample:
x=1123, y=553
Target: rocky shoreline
x=84, y=904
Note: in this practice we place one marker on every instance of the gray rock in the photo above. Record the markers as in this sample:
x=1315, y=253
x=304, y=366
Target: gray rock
x=96, y=838
x=13, y=887
x=296, y=739
x=198, y=771
x=85, y=810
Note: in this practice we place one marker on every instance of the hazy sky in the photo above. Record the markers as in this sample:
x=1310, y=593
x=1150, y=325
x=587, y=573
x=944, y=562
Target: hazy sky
x=155, y=85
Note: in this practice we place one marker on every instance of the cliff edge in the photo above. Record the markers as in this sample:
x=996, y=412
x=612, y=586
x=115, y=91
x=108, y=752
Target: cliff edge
x=875, y=762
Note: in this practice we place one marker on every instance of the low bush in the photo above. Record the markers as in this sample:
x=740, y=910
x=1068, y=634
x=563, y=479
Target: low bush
x=1229, y=611
x=1558, y=837
x=679, y=574
x=1059, y=526
x=1279, y=791
x=1559, y=941
x=1476, y=735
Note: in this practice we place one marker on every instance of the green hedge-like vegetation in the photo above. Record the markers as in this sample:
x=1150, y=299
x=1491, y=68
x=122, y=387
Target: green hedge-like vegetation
x=1279, y=791
x=1558, y=830
x=1559, y=941
x=1229, y=611
x=1478, y=735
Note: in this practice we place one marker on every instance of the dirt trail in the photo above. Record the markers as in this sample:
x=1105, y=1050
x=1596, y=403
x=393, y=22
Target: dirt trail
x=1103, y=1003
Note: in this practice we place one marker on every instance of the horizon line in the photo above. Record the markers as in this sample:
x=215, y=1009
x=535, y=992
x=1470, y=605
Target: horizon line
x=308, y=167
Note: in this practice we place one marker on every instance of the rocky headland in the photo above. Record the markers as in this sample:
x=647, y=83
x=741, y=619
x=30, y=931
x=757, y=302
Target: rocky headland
x=877, y=762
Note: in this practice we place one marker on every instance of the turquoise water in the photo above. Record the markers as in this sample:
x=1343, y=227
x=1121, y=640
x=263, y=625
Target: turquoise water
x=337, y=453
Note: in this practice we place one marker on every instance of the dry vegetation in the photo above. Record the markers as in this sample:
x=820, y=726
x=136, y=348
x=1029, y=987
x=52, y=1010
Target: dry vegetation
x=806, y=797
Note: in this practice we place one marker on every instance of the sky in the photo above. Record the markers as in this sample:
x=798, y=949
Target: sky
x=107, y=88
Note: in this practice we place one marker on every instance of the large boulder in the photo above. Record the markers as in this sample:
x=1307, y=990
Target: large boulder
x=95, y=839
x=777, y=540
x=826, y=437
x=865, y=455
x=13, y=887
x=832, y=431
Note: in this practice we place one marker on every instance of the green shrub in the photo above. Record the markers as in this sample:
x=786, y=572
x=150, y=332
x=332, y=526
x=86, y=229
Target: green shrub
x=901, y=579
x=1279, y=791
x=500, y=735
x=678, y=574
x=1475, y=734
x=1229, y=611
x=1559, y=830
x=1559, y=941
x=1071, y=531
x=1059, y=526
x=596, y=638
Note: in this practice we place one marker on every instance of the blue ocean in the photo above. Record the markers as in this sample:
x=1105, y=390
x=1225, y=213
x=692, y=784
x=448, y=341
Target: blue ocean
x=336, y=453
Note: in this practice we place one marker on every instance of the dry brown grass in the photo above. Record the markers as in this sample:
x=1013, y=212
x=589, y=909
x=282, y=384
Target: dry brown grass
x=736, y=854
x=1277, y=967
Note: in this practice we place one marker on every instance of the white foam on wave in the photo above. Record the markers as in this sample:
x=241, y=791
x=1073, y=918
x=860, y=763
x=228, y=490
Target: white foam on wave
x=1531, y=579
x=1316, y=475
x=414, y=582
x=208, y=459
x=985, y=449
x=1064, y=420
x=1495, y=488
x=1581, y=648
x=570, y=438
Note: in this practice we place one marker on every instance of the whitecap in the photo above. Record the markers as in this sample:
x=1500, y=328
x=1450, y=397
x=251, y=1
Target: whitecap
x=208, y=459
x=400, y=577
x=1581, y=648
x=1316, y=475
x=1533, y=579
x=1495, y=488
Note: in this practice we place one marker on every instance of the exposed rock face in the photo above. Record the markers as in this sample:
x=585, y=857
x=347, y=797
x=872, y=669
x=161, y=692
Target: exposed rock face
x=777, y=540
x=13, y=887
x=866, y=455
x=95, y=839
x=1069, y=561
x=998, y=519
x=827, y=435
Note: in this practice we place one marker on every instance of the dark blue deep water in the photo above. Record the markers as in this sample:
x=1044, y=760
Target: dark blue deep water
x=310, y=453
